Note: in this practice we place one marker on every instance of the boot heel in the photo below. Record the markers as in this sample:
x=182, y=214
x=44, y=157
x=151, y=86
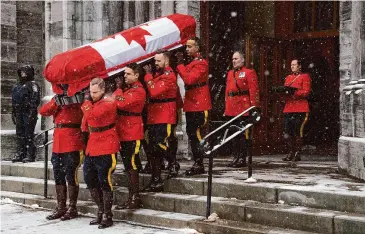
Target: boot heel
x=106, y=222
x=98, y=219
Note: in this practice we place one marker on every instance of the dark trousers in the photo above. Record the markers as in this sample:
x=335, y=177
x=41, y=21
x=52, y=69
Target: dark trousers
x=65, y=167
x=158, y=137
x=195, y=122
x=98, y=171
x=25, y=125
x=242, y=143
x=294, y=124
x=130, y=155
x=173, y=144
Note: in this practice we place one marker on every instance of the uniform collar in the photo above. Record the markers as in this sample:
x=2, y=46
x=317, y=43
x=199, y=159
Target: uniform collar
x=134, y=85
x=197, y=56
x=102, y=97
x=238, y=69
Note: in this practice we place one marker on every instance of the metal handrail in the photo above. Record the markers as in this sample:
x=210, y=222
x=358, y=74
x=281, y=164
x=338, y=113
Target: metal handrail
x=45, y=145
x=209, y=149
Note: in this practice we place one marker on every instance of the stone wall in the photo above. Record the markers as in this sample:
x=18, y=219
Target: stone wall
x=351, y=144
x=22, y=42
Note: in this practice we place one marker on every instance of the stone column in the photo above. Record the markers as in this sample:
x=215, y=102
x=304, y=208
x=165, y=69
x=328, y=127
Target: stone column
x=139, y=12
x=167, y=8
x=356, y=22
x=351, y=145
x=8, y=60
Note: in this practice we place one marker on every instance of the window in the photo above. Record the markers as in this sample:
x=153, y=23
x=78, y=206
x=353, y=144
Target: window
x=313, y=16
x=302, y=16
x=324, y=16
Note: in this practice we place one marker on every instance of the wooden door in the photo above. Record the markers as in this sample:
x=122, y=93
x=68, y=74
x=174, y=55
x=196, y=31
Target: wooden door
x=268, y=57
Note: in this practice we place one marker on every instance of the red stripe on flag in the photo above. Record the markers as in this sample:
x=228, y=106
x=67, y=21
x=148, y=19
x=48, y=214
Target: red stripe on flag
x=74, y=65
x=186, y=24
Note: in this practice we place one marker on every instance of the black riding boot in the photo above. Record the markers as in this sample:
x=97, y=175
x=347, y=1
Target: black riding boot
x=197, y=168
x=125, y=204
x=97, y=196
x=107, y=220
x=73, y=193
x=61, y=195
x=156, y=184
x=135, y=201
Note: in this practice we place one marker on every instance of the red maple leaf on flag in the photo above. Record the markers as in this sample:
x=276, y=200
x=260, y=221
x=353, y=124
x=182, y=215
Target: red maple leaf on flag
x=137, y=35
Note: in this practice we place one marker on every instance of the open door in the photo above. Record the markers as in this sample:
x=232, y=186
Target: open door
x=268, y=57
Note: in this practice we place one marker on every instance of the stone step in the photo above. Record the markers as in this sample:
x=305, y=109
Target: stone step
x=339, y=195
x=159, y=218
x=278, y=215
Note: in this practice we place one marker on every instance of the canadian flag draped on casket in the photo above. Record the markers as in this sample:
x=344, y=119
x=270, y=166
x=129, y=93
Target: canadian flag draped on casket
x=109, y=55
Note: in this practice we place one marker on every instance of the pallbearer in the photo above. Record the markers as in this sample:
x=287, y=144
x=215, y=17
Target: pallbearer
x=161, y=114
x=130, y=101
x=197, y=100
x=67, y=152
x=100, y=115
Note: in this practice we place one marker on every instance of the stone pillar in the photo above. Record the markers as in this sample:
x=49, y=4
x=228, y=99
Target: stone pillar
x=356, y=19
x=8, y=60
x=351, y=145
x=167, y=8
x=190, y=8
x=139, y=12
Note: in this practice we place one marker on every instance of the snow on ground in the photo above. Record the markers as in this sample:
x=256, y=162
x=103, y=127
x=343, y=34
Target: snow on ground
x=16, y=218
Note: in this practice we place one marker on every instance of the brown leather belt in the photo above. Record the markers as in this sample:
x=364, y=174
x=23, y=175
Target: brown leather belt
x=65, y=125
x=101, y=129
x=194, y=86
x=127, y=113
x=238, y=93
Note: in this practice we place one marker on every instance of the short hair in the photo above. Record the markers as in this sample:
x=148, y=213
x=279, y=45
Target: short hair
x=98, y=81
x=240, y=53
x=135, y=67
x=198, y=42
x=299, y=61
x=165, y=53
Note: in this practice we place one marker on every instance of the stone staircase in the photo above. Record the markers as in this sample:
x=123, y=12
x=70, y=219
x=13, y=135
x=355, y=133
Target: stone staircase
x=310, y=198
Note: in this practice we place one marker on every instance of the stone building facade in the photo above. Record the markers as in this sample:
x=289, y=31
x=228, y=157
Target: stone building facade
x=351, y=146
x=34, y=31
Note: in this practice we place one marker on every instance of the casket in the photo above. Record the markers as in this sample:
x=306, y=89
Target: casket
x=108, y=56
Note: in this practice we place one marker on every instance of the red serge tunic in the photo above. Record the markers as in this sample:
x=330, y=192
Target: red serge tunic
x=195, y=77
x=242, y=91
x=130, y=103
x=298, y=101
x=100, y=114
x=161, y=87
x=65, y=139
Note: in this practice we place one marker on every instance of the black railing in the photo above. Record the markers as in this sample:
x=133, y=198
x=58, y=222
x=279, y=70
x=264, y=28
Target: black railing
x=45, y=145
x=220, y=137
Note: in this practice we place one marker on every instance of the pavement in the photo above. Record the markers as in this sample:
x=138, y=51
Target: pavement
x=19, y=219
